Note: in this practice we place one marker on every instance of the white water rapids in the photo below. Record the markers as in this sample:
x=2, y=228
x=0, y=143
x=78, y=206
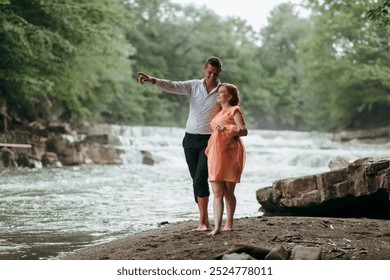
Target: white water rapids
x=44, y=212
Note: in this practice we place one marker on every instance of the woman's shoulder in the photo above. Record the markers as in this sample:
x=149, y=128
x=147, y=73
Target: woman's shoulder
x=233, y=109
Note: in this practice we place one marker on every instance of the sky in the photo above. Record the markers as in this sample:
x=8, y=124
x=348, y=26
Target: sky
x=255, y=12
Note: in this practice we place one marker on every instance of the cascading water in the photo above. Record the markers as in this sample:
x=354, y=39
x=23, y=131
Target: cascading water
x=47, y=211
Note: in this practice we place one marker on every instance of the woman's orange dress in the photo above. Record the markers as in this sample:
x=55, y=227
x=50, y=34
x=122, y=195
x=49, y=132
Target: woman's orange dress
x=225, y=150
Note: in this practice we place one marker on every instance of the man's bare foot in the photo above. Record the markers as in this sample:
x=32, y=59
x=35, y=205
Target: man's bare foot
x=215, y=232
x=201, y=227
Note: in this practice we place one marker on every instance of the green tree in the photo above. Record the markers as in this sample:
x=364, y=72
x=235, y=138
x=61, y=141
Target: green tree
x=173, y=41
x=346, y=60
x=63, y=57
x=381, y=14
x=279, y=97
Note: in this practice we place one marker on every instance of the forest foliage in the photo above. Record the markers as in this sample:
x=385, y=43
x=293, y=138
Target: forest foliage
x=74, y=60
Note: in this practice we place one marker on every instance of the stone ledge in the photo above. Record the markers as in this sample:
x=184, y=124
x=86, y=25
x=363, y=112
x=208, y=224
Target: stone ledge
x=359, y=190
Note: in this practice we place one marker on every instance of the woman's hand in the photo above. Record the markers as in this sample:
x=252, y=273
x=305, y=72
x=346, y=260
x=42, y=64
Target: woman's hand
x=221, y=127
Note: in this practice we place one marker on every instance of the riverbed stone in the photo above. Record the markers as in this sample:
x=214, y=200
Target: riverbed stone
x=24, y=160
x=59, y=127
x=360, y=189
x=96, y=153
x=50, y=160
x=278, y=253
x=101, y=138
x=8, y=158
x=338, y=163
x=147, y=158
x=237, y=256
x=300, y=252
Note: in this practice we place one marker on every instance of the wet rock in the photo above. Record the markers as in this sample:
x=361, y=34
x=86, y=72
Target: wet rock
x=9, y=158
x=374, y=133
x=57, y=144
x=359, y=190
x=47, y=139
x=71, y=156
x=101, y=139
x=300, y=252
x=147, y=158
x=278, y=253
x=162, y=223
x=38, y=148
x=237, y=256
x=50, y=160
x=24, y=160
x=82, y=152
x=255, y=252
x=98, y=154
x=59, y=127
x=338, y=163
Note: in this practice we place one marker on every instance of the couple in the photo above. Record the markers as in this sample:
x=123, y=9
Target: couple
x=212, y=146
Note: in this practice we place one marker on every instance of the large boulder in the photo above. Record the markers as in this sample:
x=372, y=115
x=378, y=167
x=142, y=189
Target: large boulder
x=361, y=189
x=50, y=159
x=96, y=153
x=82, y=152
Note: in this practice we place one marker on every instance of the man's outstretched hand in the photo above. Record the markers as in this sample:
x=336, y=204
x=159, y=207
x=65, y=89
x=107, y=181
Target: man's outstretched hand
x=142, y=77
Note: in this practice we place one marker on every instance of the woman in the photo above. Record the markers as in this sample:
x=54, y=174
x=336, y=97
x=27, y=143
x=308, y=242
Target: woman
x=226, y=154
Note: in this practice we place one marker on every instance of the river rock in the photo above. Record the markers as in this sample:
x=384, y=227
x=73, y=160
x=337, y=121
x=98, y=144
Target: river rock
x=256, y=252
x=24, y=160
x=96, y=153
x=360, y=189
x=50, y=160
x=374, y=133
x=58, y=144
x=279, y=252
x=147, y=158
x=71, y=156
x=83, y=152
x=59, y=127
x=338, y=163
x=101, y=138
x=8, y=158
x=237, y=256
x=300, y=252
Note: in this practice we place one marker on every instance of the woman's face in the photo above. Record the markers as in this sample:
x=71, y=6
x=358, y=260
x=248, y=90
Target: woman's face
x=223, y=95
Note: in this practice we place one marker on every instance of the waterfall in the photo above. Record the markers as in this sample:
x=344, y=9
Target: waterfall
x=46, y=211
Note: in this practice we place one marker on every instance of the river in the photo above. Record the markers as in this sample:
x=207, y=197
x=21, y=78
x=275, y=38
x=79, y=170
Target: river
x=46, y=212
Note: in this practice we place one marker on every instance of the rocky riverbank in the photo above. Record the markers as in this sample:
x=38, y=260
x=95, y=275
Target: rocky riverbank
x=54, y=144
x=379, y=136
x=336, y=238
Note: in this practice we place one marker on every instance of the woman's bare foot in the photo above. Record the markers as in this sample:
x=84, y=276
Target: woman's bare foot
x=215, y=232
x=228, y=227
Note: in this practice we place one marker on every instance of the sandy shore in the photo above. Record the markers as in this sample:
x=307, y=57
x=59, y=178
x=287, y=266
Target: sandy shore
x=338, y=238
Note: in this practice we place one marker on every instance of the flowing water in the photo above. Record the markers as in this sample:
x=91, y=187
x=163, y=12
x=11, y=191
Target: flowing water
x=45, y=212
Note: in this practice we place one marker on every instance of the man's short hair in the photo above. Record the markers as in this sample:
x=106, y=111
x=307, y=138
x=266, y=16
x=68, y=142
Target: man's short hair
x=214, y=61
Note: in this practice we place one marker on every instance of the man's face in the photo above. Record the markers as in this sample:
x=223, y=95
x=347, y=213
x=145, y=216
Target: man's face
x=211, y=74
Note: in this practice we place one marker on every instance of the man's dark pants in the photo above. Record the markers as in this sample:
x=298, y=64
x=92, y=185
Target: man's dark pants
x=194, y=147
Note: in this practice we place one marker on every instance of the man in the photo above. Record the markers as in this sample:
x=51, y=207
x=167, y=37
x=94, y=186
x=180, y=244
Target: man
x=203, y=108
